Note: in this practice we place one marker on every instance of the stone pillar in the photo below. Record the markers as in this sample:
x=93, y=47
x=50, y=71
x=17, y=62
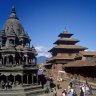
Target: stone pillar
x=14, y=62
x=7, y=59
x=26, y=59
x=29, y=60
x=3, y=60
x=6, y=78
x=27, y=79
x=14, y=79
x=22, y=79
x=32, y=78
x=19, y=61
x=37, y=78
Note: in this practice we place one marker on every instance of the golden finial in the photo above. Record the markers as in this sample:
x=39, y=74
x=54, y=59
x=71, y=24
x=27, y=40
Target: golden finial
x=65, y=30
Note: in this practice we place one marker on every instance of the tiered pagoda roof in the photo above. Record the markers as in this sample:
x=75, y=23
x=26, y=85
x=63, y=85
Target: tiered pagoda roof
x=88, y=53
x=82, y=63
x=66, y=44
x=62, y=40
x=65, y=34
x=68, y=47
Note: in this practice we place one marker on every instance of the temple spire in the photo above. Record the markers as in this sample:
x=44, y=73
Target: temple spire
x=65, y=30
x=13, y=13
x=13, y=9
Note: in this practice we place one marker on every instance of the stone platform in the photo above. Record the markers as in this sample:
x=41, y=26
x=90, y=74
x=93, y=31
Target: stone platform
x=25, y=90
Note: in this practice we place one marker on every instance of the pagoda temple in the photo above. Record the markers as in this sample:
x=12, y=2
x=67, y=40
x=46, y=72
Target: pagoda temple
x=18, y=63
x=64, y=52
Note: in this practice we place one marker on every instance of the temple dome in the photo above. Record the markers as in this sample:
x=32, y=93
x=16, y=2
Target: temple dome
x=13, y=23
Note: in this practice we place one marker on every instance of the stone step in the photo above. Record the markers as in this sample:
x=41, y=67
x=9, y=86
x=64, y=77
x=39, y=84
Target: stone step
x=23, y=91
x=20, y=88
x=35, y=92
x=33, y=87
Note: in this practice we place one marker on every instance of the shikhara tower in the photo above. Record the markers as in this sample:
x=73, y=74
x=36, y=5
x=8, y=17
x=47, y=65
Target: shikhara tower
x=15, y=43
x=18, y=63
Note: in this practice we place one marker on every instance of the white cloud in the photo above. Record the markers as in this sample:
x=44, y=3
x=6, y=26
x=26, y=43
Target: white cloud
x=43, y=51
x=90, y=50
x=41, y=48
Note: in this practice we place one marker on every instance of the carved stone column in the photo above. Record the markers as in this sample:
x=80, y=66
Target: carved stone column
x=14, y=62
x=26, y=59
x=32, y=78
x=37, y=78
x=6, y=78
x=22, y=79
x=27, y=79
x=3, y=60
x=14, y=80
x=7, y=59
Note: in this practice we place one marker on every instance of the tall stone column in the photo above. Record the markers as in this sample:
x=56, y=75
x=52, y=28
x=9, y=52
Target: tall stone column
x=14, y=62
x=19, y=61
x=32, y=78
x=0, y=61
x=22, y=79
x=3, y=60
x=37, y=78
x=14, y=79
x=27, y=79
x=6, y=78
x=7, y=59
x=26, y=59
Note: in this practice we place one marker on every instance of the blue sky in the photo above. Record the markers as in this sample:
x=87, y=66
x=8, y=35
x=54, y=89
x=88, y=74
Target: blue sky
x=45, y=19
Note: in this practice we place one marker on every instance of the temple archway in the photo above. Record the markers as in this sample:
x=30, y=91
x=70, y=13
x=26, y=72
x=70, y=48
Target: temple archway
x=11, y=42
x=34, y=60
x=29, y=79
x=18, y=78
x=21, y=55
x=34, y=78
x=11, y=78
x=5, y=60
x=24, y=59
x=25, y=78
x=17, y=57
x=3, y=78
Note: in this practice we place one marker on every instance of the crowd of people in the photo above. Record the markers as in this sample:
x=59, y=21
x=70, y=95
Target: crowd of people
x=84, y=89
x=74, y=89
x=8, y=85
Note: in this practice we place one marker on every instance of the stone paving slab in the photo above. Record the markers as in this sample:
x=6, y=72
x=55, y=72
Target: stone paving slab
x=46, y=94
